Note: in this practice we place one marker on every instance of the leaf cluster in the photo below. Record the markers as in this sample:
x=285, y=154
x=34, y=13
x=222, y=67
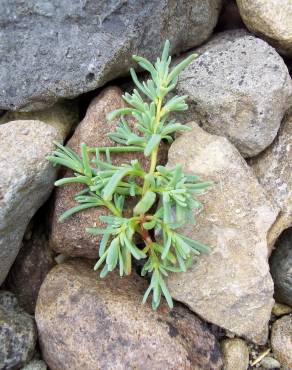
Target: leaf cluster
x=169, y=191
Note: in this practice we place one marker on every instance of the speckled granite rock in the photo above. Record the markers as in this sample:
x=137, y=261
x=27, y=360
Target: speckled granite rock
x=281, y=341
x=87, y=323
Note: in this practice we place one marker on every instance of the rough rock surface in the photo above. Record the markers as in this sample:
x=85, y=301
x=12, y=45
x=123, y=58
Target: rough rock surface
x=281, y=341
x=33, y=262
x=273, y=168
x=281, y=268
x=240, y=88
x=26, y=181
x=17, y=333
x=270, y=20
x=54, y=49
x=88, y=323
x=70, y=237
x=232, y=287
x=235, y=354
x=35, y=365
x=63, y=116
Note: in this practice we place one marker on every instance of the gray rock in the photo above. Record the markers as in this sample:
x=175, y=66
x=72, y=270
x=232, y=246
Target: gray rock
x=270, y=20
x=26, y=181
x=35, y=365
x=281, y=341
x=281, y=268
x=232, y=286
x=235, y=354
x=17, y=333
x=85, y=322
x=240, y=88
x=273, y=169
x=34, y=260
x=270, y=363
x=62, y=48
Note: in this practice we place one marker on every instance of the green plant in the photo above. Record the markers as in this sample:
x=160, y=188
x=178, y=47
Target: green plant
x=165, y=249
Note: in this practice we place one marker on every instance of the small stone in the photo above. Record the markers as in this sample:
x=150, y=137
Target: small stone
x=17, y=333
x=232, y=287
x=70, y=237
x=85, y=322
x=281, y=341
x=26, y=181
x=270, y=20
x=273, y=169
x=280, y=309
x=235, y=354
x=35, y=365
x=281, y=268
x=238, y=87
x=270, y=363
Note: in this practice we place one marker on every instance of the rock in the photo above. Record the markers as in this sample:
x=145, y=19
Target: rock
x=34, y=260
x=280, y=309
x=270, y=363
x=112, y=329
x=52, y=50
x=17, y=333
x=273, y=168
x=235, y=354
x=270, y=20
x=63, y=116
x=281, y=341
x=35, y=365
x=70, y=237
x=281, y=268
x=26, y=181
x=238, y=87
x=232, y=287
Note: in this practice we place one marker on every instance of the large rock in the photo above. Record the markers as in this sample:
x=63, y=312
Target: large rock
x=35, y=365
x=273, y=168
x=232, y=287
x=54, y=49
x=281, y=341
x=26, y=181
x=270, y=20
x=281, y=268
x=70, y=237
x=34, y=260
x=90, y=323
x=63, y=116
x=238, y=87
x=17, y=333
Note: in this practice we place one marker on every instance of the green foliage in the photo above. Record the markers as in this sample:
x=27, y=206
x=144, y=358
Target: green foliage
x=172, y=191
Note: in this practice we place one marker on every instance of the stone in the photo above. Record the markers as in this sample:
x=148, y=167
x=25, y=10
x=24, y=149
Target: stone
x=85, y=322
x=281, y=341
x=270, y=20
x=17, y=333
x=60, y=49
x=26, y=181
x=273, y=168
x=281, y=268
x=33, y=262
x=35, y=365
x=235, y=354
x=270, y=363
x=280, y=309
x=232, y=286
x=63, y=116
x=238, y=87
x=70, y=237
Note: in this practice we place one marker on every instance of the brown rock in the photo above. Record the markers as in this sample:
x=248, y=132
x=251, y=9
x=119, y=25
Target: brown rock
x=30, y=268
x=231, y=287
x=70, y=237
x=281, y=341
x=235, y=354
x=273, y=168
x=89, y=323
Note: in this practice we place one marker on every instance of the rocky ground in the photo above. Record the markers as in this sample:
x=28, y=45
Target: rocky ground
x=64, y=65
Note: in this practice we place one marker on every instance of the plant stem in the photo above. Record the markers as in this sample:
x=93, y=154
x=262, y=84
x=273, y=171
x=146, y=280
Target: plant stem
x=112, y=208
x=117, y=149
